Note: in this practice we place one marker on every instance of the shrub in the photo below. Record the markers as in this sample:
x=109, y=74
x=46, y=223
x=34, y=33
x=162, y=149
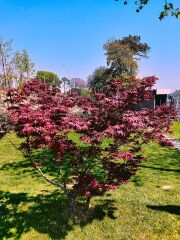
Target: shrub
x=95, y=141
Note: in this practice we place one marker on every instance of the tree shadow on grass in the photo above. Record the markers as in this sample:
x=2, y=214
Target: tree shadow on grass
x=44, y=213
x=25, y=166
x=105, y=208
x=173, y=209
x=162, y=169
x=20, y=167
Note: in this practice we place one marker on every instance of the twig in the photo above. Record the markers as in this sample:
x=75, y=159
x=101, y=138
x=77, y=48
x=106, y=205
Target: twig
x=49, y=180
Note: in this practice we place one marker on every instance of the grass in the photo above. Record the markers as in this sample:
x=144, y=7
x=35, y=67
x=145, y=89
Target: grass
x=32, y=209
x=176, y=130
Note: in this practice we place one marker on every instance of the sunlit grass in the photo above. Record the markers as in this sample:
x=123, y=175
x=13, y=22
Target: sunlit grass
x=142, y=209
x=176, y=130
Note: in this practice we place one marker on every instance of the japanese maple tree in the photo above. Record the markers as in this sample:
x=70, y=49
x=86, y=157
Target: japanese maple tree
x=95, y=142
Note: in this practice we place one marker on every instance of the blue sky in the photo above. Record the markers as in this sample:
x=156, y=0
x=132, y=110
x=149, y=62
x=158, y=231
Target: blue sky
x=67, y=36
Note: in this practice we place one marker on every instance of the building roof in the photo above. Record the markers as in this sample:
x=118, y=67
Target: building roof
x=164, y=91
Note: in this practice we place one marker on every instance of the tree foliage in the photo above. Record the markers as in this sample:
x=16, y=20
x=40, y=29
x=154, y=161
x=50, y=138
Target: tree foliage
x=122, y=56
x=95, y=141
x=15, y=68
x=100, y=79
x=24, y=67
x=168, y=7
x=134, y=43
x=48, y=77
x=78, y=83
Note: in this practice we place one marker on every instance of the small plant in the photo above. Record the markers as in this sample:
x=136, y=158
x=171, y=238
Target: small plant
x=95, y=141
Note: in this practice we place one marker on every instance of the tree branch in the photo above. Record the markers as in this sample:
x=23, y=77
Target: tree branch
x=49, y=180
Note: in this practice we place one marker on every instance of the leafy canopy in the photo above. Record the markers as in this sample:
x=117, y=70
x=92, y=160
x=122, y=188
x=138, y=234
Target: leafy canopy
x=95, y=141
x=24, y=67
x=122, y=56
x=48, y=77
x=100, y=79
x=15, y=68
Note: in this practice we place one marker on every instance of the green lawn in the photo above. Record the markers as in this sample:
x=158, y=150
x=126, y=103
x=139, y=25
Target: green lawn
x=146, y=208
x=176, y=130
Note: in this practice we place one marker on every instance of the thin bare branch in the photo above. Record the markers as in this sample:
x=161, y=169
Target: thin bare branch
x=49, y=180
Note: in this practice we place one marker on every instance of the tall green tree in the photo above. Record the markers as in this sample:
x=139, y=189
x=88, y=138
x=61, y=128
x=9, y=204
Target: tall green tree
x=48, y=77
x=134, y=43
x=24, y=67
x=122, y=57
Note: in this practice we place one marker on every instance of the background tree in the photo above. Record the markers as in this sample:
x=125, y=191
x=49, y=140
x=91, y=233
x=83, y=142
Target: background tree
x=48, y=77
x=122, y=60
x=24, y=67
x=85, y=135
x=122, y=55
x=66, y=84
x=86, y=92
x=78, y=83
x=134, y=43
x=168, y=7
x=6, y=65
x=100, y=79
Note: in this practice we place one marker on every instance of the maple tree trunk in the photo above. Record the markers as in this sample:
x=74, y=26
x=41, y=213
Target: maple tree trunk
x=78, y=211
x=72, y=206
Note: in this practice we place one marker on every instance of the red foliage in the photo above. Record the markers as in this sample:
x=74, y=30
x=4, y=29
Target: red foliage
x=45, y=117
